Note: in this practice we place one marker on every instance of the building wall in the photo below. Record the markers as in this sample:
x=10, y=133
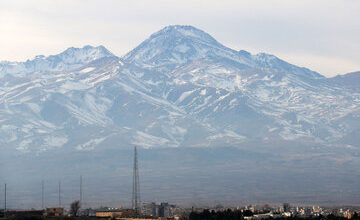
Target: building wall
x=54, y=211
x=108, y=214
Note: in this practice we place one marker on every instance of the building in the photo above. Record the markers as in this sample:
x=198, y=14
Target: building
x=108, y=214
x=163, y=209
x=87, y=212
x=150, y=209
x=286, y=207
x=114, y=213
x=54, y=211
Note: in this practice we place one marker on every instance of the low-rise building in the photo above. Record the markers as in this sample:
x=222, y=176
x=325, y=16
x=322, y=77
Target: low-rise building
x=56, y=211
x=114, y=213
x=163, y=209
x=150, y=209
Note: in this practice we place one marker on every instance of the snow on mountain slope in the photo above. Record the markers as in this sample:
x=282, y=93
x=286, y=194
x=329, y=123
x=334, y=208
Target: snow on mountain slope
x=100, y=103
x=270, y=63
x=282, y=99
x=176, y=45
x=69, y=59
x=178, y=88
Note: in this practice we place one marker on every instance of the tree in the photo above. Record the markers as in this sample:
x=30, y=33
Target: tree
x=356, y=216
x=74, y=207
x=248, y=213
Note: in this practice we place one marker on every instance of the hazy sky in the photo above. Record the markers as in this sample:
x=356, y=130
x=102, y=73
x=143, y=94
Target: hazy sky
x=323, y=35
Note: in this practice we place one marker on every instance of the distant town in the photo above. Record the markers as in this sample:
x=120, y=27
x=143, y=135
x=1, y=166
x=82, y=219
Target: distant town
x=166, y=211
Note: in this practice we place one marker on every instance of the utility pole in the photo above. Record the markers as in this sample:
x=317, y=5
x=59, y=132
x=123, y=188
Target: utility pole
x=59, y=194
x=81, y=190
x=42, y=194
x=136, y=186
x=5, y=201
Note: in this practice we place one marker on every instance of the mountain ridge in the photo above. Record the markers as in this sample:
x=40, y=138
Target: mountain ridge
x=202, y=45
x=200, y=96
x=348, y=80
x=70, y=58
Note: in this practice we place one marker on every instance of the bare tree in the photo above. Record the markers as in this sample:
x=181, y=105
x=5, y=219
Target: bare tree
x=74, y=208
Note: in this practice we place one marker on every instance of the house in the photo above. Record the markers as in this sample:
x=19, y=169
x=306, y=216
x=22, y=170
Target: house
x=57, y=211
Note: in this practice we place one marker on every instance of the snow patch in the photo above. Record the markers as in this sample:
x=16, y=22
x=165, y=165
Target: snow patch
x=55, y=141
x=203, y=92
x=91, y=144
x=87, y=69
x=184, y=96
x=146, y=140
x=182, y=48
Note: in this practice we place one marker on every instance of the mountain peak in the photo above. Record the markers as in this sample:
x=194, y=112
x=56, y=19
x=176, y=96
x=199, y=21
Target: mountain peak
x=176, y=44
x=70, y=58
x=185, y=31
x=85, y=54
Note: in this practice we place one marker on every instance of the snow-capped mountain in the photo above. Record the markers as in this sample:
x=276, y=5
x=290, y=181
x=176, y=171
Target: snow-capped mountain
x=180, y=87
x=69, y=59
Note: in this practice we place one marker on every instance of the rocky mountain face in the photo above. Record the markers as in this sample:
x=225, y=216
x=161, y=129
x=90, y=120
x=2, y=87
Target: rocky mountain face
x=349, y=80
x=180, y=87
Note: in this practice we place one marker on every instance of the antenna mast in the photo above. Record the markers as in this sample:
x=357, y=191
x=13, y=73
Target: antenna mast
x=136, y=185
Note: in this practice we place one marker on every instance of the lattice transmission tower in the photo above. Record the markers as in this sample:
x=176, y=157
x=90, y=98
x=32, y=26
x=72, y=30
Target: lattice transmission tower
x=136, y=186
